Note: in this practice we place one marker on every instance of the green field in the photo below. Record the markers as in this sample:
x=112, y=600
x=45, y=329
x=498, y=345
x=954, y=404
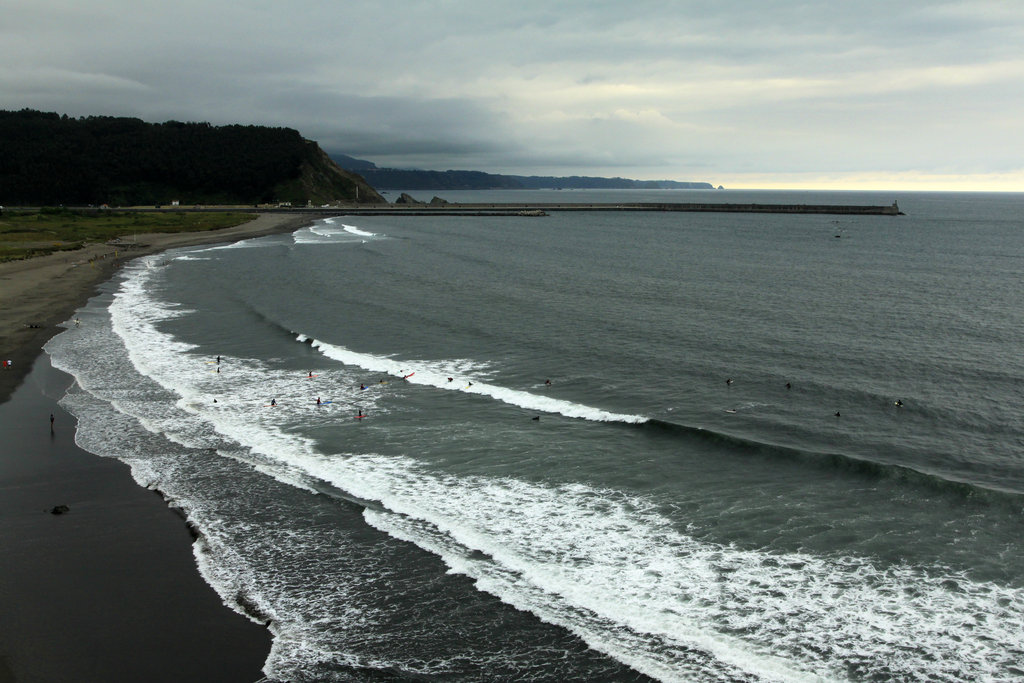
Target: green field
x=24, y=234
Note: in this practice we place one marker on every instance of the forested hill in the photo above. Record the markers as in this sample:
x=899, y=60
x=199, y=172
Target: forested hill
x=50, y=159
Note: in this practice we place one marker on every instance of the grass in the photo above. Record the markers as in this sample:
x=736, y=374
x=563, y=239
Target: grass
x=24, y=234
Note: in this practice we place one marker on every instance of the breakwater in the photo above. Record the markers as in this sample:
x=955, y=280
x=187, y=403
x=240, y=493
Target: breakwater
x=540, y=209
x=521, y=209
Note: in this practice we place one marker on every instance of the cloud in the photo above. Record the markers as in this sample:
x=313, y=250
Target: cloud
x=686, y=90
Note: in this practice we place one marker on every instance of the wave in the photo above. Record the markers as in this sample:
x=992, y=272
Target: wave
x=841, y=462
x=467, y=377
x=603, y=564
x=611, y=568
x=326, y=232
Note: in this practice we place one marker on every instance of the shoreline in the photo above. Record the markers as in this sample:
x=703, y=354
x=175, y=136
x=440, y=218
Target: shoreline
x=110, y=589
x=38, y=294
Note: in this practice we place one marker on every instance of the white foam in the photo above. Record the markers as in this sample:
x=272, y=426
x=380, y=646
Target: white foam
x=326, y=232
x=604, y=564
x=612, y=569
x=468, y=377
x=356, y=231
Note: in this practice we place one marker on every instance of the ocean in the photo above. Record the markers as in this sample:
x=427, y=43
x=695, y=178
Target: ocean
x=592, y=446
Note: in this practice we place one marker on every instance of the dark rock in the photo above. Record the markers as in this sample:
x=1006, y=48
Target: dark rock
x=406, y=198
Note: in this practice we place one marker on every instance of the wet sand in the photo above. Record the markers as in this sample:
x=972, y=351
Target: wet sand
x=109, y=590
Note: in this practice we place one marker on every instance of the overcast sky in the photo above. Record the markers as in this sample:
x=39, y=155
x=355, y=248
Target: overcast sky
x=858, y=94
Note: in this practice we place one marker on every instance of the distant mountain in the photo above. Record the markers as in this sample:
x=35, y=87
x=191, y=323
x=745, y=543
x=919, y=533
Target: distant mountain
x=402, y=179
x=48, y=159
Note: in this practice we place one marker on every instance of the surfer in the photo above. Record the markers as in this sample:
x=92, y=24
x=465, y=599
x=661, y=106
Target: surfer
x=788, y=385
x=898, y=403
x=273, y=401
x=728, y=381
x=450, y=379
x=547, y=383
x=837, y=413
x=537, y=418
x=318, y=400
x=360, y=413
x=362, y=386
x=310, y=374
x=218, y=360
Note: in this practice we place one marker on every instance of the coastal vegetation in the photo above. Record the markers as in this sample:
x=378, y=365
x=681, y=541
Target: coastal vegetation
x=24, y=234
x=51, y=159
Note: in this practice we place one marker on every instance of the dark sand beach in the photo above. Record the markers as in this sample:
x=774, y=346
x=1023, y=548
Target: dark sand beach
x=109, y=590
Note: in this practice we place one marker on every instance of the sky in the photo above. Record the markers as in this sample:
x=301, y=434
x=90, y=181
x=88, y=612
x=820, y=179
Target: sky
x=858, y=94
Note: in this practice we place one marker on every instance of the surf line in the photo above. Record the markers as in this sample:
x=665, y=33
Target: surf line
x=421, y=373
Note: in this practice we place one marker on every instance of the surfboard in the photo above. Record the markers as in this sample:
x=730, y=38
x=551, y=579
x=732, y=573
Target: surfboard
x=324, y=403
x=409, y=375
x=269, y=406
x=311, y=376
x=360, y=417
x=730, y=410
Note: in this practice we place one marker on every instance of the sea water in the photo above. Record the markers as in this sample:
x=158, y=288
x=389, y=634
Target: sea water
x=594, y=446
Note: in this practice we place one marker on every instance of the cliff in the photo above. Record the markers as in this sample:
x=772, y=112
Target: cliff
x=49, y=159
x=322, y=181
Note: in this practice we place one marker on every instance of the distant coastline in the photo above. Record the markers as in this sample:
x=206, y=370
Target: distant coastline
x=416, y=179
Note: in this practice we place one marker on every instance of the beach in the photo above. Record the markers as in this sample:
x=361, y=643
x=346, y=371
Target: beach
x=38, y=294
x=356, y=422
x=109, y=589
